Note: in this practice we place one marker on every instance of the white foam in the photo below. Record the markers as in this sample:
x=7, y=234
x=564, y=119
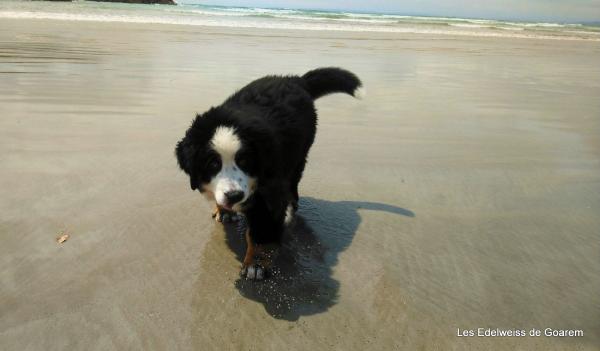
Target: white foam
x=303, y=20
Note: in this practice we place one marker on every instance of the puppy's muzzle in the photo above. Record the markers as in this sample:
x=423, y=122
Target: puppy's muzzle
x=233, y=197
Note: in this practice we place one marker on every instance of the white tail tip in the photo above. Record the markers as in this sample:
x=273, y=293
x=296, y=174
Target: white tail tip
x=360, y=93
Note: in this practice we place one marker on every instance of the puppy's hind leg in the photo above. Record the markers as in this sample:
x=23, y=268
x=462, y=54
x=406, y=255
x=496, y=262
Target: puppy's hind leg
x=294, y=186
x=290, y=213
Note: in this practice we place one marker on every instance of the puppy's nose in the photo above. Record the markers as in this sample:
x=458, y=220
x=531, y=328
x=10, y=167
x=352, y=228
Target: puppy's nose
x=234, y=196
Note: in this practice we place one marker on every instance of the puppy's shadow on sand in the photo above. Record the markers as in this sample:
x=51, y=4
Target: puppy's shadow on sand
x=301, y=283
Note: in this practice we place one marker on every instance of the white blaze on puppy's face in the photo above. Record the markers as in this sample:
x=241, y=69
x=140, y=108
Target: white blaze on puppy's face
x=230, y=178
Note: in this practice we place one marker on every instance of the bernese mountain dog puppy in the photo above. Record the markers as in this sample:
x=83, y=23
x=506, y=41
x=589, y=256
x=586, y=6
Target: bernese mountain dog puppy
x=248, y=154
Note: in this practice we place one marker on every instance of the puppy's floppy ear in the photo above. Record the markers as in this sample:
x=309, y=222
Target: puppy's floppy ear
x=186, y=155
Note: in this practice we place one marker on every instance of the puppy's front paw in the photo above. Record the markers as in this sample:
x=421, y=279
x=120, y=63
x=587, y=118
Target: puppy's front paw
x=223, y=216
x=253, y=272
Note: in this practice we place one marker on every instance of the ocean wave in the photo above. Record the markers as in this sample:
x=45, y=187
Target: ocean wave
x=201, y=15
x=375, y=18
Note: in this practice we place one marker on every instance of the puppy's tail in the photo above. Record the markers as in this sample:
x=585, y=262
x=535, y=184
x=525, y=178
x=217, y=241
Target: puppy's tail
x=323, y=81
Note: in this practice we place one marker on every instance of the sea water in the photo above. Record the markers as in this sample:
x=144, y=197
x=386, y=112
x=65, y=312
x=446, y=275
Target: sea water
x=281, y=18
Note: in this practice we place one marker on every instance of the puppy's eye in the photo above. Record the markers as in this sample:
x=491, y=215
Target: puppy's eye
x=213, y=165
x=243, y=161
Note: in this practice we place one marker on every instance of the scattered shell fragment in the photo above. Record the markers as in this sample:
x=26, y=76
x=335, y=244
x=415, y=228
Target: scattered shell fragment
x=61, y=239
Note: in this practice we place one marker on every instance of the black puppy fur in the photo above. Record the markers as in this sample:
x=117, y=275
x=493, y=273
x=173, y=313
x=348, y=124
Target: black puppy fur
x=276, y=121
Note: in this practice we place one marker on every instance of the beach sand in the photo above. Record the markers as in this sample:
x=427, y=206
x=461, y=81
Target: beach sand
x=462, y=193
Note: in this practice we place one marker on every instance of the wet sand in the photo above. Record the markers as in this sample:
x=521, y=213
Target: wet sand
x=462, y=193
